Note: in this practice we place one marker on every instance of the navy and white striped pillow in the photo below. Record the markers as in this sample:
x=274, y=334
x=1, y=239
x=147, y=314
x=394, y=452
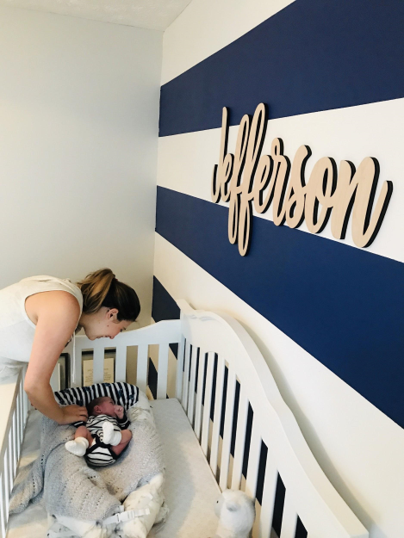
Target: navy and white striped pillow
x=122, y=393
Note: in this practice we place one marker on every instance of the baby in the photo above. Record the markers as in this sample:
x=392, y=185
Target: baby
x=104, y=437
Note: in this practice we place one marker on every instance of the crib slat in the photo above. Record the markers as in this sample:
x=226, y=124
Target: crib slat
x=194, y=360
x=16, y=438
x=228, y=424
x=240, y=439
x=5, y=486
x=185, y=378
x=198, y=406
x=20, y=419
x=15, y=442
x=207, y=403
x=7, y=481
x=17, y=430
x=253, y=461
x=11, y=457
x=98, y=363
x=217, y=414
x=120, y=363
x=3, y=511
x=289, y=519
x=142, y=365
x=268, y=497
x=21, y=407
x=162, y=371
x=180, y=365
x=26, y=403
x=78, y=365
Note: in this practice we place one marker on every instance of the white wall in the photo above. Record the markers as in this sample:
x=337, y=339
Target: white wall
x=360, y=449
x=78, y=148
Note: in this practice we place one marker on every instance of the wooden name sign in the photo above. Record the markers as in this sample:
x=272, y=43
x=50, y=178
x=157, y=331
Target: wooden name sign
x=248, y=179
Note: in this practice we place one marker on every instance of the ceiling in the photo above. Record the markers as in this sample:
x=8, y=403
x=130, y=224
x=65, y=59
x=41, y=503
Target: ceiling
x=153, y=14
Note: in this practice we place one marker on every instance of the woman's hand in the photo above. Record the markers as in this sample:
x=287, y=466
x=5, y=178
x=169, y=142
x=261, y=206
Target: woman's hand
x=73, y=413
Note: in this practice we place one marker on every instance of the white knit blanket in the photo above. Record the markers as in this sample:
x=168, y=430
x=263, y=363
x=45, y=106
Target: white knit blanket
x=71, y=488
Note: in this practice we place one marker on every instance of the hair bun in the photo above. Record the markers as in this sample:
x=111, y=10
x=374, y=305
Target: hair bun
x=102, y=288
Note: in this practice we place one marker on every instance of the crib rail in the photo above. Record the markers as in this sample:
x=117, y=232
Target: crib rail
x=12, y=422
x=139, y=341
x=250, y=437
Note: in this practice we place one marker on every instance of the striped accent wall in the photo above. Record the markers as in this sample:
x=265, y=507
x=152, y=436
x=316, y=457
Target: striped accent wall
x=328, y=316
x=342, y=305
x=313, y=55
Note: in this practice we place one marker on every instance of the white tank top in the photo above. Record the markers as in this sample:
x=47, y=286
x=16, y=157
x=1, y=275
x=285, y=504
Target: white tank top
x=16, y=329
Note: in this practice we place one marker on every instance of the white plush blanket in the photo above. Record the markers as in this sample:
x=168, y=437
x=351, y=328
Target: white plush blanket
x=71, y=488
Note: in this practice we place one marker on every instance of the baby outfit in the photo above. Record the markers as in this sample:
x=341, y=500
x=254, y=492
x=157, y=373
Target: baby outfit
x=106, y=431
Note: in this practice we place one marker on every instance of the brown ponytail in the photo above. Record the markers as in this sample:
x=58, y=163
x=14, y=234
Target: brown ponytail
x=101, y=288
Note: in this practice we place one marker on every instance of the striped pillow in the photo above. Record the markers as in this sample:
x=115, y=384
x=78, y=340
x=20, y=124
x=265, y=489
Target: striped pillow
x=122, y=393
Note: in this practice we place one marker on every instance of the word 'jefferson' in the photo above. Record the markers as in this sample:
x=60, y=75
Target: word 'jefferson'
x=249, y=179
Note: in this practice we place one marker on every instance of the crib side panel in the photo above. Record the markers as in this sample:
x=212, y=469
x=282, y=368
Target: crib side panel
x=147, y=347
x=250, y=437
x=12, y=422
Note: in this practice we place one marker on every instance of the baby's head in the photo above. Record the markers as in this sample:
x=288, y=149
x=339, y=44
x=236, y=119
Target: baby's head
x=103, y=406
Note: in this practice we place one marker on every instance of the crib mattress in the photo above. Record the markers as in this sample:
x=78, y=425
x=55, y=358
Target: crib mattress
x=190, y=487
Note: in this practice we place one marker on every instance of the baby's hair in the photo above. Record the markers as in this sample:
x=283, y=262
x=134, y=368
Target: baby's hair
x=97, y=401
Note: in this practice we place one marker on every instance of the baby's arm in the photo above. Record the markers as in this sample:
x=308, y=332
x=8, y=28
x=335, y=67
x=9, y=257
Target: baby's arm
x=126, y=437
x=123, y=421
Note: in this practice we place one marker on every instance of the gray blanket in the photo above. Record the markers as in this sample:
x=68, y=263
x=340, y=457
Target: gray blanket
x=71, y=488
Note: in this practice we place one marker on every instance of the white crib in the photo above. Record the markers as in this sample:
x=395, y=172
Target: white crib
x=247, y=434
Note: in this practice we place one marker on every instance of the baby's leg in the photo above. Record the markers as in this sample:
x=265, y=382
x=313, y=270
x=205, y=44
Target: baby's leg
x=83, y=432
x=82, y=440
x=126, y=437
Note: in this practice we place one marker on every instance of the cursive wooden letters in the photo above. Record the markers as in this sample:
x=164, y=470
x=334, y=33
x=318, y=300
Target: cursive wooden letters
x=250, y=180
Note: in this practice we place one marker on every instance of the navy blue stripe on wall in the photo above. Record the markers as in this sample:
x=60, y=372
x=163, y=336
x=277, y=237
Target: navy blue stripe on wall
x=163, y=305
x=343, y=305
x=313, y=55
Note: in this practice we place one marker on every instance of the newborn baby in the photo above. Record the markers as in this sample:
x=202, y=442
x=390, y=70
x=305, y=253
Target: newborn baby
x=104, y=437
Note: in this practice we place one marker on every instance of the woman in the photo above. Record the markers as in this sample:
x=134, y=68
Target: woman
x=39, y=315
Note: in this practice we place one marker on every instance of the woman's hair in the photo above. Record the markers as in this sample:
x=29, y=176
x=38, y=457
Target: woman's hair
x=101, y=288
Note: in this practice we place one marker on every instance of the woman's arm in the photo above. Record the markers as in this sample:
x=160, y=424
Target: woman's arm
x=56, y=315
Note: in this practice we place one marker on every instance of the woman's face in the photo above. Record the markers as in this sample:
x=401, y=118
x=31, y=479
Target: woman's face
x=104, y=324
